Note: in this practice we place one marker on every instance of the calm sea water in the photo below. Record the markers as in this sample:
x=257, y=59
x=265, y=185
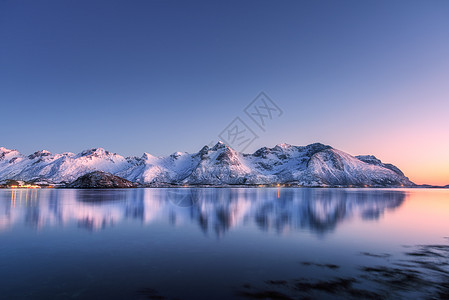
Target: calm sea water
x=223, y=243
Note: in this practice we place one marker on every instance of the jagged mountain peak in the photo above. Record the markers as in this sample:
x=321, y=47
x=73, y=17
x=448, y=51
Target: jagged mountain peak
x=147, y=156
x=204, y=150
x=6, y=150
x=95, y=152
x=318, y=146
x=227, y=155
x=178, y=154
x=367, y=158
x=40, y=153
x=283, y=150
x=262, y=152
x=8, y=153
x=223, y=154
x=283, y=146
x=220, y=145
x=286, y=150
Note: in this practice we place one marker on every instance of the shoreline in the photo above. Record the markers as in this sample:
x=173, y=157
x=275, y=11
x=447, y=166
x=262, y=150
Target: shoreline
x=231, y=186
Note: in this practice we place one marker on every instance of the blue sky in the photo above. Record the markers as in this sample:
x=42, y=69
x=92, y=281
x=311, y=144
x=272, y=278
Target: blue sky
x=165, y=76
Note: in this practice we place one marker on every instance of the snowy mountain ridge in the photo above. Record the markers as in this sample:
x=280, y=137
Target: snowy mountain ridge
x=312, y=165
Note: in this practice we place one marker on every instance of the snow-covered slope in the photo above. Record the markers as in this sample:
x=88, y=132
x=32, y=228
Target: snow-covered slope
x=312, y=165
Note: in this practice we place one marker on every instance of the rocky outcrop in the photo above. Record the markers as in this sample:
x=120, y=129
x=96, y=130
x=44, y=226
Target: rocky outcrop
x=100, y=180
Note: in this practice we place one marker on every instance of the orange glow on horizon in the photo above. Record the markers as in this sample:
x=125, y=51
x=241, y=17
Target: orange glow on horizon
x=423, y=156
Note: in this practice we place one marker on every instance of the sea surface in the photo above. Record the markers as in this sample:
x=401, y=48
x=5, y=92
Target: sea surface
x=224, y=243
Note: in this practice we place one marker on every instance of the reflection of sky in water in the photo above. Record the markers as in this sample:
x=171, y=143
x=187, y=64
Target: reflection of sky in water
x=188, y=243
x=213, y=210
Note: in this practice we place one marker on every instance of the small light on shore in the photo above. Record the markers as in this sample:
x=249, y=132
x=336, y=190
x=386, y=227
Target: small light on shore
x=26, y=186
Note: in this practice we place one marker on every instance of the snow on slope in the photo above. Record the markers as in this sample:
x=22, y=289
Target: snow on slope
x=151, y=169
x=312, y=165
x=66, y=167
x=219, y=164
x=335, y=167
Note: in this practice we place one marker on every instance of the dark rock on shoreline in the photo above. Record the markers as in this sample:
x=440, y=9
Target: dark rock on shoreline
x=102, y=180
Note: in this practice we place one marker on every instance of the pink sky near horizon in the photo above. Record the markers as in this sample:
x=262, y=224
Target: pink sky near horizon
x=406, y=125
x=419, y=141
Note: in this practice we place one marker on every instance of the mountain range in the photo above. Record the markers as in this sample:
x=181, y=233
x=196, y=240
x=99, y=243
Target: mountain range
x=312, y=165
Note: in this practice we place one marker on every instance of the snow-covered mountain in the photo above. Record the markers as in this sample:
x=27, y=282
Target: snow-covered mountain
x=312, y=165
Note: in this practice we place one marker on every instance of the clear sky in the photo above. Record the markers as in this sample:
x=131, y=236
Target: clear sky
x=367, y=77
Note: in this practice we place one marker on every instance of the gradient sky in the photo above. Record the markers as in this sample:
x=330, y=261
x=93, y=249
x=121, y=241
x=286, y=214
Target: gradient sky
x=367, y=77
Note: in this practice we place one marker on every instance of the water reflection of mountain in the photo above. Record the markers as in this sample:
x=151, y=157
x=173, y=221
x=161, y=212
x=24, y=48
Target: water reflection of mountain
x=215, y=211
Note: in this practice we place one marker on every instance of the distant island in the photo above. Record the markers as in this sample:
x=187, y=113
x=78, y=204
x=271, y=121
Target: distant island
x=315, y=165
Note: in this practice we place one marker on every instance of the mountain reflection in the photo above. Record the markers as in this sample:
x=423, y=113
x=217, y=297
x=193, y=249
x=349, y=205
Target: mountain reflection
x=214, y=211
